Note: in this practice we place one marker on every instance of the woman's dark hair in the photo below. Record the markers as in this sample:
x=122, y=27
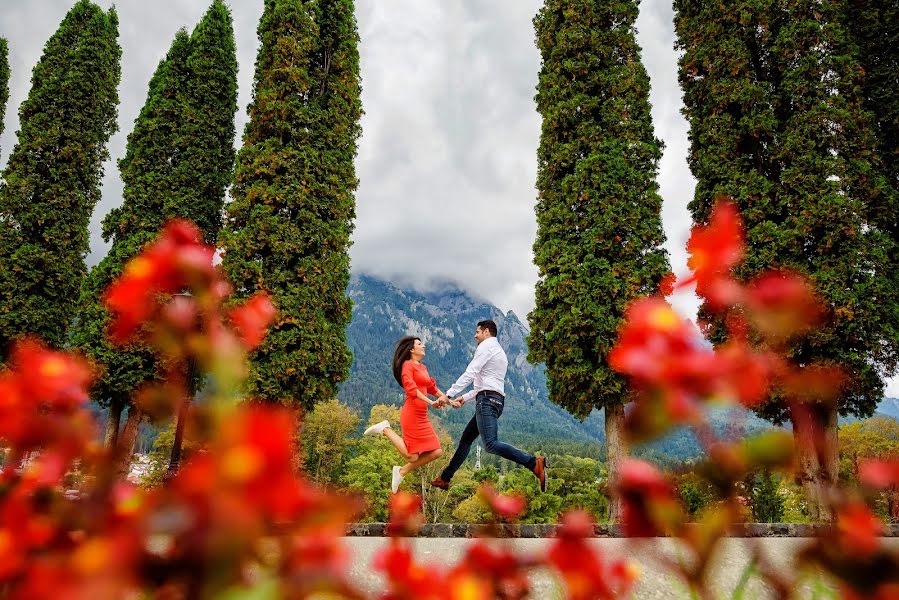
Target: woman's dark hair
x=401, y=355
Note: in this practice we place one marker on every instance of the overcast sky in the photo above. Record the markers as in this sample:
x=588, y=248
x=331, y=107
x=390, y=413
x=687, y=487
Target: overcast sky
x=447, y=159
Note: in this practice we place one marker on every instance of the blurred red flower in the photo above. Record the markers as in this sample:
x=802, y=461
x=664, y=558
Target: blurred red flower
x=879, y=473
x=408, y=579
x=782, y=304
x=649, y=504
x=167, y=266
x=405, y=514
x=586, y=575
x=714, y=250
x=507, y=507
x=858, y=529
x=252, y=319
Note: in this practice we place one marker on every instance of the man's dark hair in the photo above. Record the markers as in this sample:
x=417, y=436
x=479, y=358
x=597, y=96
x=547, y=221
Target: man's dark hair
x=489, y=325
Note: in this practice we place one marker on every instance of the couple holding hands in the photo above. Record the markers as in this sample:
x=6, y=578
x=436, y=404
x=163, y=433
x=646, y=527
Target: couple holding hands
x=486, y=373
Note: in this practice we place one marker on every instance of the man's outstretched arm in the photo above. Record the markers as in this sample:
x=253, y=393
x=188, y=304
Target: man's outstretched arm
x=474, y=367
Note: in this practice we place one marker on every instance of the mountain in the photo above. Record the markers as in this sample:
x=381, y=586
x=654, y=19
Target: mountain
x=889, y=407
x=445, y=320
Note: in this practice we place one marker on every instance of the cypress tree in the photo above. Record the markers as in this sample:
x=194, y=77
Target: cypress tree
x=777, y=122
x=599, y=237
x=52, y=180
x=287, y=230
x=177, y=164
x=874, y=27
x=4, y=80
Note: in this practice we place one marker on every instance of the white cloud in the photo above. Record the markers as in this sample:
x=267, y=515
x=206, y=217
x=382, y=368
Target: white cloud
x=447, y=161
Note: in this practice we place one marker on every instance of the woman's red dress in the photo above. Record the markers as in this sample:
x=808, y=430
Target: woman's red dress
x=418, y=434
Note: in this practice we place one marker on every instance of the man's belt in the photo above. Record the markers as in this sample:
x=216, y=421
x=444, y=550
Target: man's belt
x=489, y=393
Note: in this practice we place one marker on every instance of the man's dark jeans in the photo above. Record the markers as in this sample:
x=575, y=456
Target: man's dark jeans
x=488, y=408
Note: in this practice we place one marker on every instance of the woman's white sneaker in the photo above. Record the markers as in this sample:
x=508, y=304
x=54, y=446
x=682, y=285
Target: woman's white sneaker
x=396, y=480
x=377, y=428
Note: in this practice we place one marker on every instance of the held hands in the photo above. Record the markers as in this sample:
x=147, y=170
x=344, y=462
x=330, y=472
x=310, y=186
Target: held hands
x=443, y=400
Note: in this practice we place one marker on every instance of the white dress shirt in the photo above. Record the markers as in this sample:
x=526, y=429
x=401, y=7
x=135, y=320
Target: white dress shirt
x=486, y=371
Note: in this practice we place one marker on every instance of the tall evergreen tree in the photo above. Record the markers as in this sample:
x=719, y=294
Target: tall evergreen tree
x=874, y=26
x=52, y=180
x=777, y=122
x=177, y=164
x=599, y=237
x=287, y=230
x=4, y=80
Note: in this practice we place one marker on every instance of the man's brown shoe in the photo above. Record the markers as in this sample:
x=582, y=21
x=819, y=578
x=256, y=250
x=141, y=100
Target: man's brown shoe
x=440, y=483
x=540, y=472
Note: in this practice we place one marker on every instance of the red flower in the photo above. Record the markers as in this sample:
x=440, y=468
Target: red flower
x=176, y=260
x=40, y=407
x=45, y=376
x=665, y=359
x=649, y=505
x=575, y=524
x=817, y=382
x=248, y=472
x=666, y=285
x=879, y=473
x=492, y=568
x=507, y=507
x=782, y=304
x=655, y=345
x=405, y=514
x=252, y=318
x=858, y=529
x=746, y=374
x=319, y=556
x=406, y=578
x=714, y=250
x=585, y=574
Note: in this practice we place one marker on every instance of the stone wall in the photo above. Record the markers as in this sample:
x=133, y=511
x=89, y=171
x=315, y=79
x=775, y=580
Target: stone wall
x=464, y=530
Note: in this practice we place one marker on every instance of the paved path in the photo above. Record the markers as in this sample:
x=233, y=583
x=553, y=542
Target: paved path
x=654, y=582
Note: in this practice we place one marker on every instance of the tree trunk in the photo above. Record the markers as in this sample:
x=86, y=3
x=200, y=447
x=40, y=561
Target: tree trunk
x=181, y=420
x=175, y=455
x=125, y=449
x=817, y=445
x=615, y=451
x=893, y=503
x=113, y=422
